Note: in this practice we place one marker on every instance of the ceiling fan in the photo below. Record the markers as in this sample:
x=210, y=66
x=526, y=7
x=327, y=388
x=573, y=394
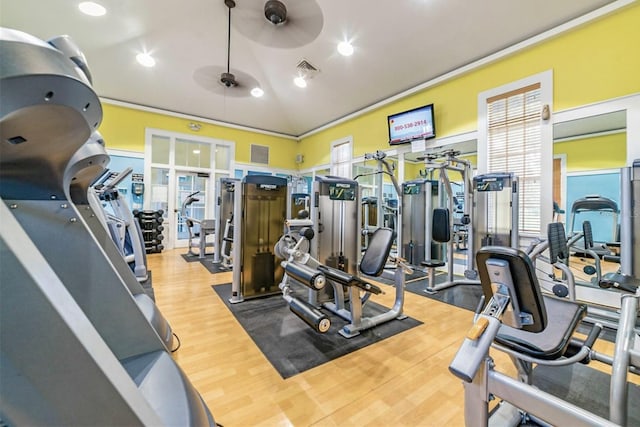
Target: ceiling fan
x=222, y=80
x=281, y=24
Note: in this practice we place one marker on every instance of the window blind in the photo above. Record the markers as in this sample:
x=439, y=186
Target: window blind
x=514, y=145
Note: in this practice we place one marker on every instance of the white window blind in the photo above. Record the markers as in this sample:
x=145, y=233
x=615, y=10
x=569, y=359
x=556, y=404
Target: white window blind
x=341, y=159
x=514, y=145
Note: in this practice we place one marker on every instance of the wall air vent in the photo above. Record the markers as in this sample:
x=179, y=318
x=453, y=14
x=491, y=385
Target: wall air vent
x=259, y=154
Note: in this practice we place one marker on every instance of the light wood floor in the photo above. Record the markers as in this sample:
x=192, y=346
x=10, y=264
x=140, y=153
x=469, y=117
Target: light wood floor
x=401, y=381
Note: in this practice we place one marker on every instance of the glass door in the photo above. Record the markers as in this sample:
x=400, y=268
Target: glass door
x=191, y=203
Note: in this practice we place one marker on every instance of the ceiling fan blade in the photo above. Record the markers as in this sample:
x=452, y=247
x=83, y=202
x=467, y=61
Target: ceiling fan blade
x=208, y=78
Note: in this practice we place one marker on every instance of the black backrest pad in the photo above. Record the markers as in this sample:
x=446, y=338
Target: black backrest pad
x=375, y=257
x=440, y=227
x=587, y=232
x=557, y=242
x=524, y=278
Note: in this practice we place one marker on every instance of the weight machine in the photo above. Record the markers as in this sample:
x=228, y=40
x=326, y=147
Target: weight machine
x=300, y=204
x=224, y=221
x=260, y=209
x=419, y=198
x=335, y=215
x=442, y=219
x=376, y=212
x=205, y=227
x=497, y=210
x=533, y=329
x=300, y=267
x=630, y=220
x=603, y=305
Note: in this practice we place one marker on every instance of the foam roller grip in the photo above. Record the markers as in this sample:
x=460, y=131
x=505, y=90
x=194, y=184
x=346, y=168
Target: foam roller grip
x=305, y=275
x=311, y=315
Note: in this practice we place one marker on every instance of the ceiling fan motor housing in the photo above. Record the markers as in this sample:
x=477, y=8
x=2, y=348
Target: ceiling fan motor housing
x=275, y=11
x=228, y=79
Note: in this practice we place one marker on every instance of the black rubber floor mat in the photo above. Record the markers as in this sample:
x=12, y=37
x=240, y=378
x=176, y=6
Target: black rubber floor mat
x=463, y=296
x=585, y=387
x=213, y=267
x=290, y=345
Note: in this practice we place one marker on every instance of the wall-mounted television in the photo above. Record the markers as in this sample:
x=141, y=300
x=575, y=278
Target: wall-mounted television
x=411, y=125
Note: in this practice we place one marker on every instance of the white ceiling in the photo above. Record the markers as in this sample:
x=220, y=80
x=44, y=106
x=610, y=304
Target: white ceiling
x=398, y=45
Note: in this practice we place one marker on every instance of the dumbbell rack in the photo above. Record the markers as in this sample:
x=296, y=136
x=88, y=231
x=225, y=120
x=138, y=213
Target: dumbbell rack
x=151, y=226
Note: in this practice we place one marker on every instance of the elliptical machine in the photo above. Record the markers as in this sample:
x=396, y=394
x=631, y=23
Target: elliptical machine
x=121, y=223
x=90, y=346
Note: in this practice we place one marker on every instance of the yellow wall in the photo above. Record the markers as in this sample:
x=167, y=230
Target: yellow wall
x=124, y=128
x=595, y=62
x=412, y=171
x=599, y=152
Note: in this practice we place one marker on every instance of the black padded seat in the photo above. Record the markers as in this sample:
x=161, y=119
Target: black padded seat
x=563, y=318
x=620, y=281
x=440, y=232
x=433, y=263
x=375, y=257
x=372, y=264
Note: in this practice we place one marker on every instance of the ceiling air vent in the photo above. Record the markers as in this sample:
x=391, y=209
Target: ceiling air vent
x=259, y=154
x=306, y=69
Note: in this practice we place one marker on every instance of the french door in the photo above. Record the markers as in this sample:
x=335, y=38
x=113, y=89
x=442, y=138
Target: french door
x=177, y=166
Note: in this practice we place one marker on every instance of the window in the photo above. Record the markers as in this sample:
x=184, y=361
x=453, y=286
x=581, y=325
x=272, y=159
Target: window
x=513, y=136
x=341, y=158
x=513, y=145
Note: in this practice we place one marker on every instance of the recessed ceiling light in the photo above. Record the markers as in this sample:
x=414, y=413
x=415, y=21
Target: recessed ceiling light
x=257, y=92
x=345, y=48
x=145, y=59
x=92, y=9
x=196, y=151
x=300, y=81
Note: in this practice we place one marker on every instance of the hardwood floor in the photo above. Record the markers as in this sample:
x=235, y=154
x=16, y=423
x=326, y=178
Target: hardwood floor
x=401, y=381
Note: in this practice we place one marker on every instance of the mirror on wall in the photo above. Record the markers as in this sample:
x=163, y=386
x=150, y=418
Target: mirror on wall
x=588, y=155
x=592, y=146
